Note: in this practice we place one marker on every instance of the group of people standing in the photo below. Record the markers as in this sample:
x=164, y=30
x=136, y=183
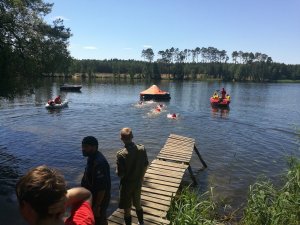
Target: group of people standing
x=43, y=196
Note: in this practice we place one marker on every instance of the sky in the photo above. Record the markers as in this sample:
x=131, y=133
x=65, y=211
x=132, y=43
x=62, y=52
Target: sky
x=105, y=29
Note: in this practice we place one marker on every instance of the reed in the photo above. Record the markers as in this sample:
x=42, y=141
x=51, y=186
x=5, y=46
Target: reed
x=268, y=205
x=191, y=208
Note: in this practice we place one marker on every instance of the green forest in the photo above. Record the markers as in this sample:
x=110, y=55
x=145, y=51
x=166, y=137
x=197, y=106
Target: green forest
x=30, y=47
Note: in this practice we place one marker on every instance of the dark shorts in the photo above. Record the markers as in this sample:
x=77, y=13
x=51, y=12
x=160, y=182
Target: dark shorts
x=130, y=194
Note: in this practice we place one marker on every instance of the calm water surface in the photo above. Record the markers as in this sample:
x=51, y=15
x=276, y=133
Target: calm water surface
x=251, y=139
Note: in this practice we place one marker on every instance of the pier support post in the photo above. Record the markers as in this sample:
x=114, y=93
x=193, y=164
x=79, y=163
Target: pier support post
x=192, y=175
x=200, y=157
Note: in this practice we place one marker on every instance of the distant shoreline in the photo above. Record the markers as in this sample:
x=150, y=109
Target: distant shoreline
x=197, y=77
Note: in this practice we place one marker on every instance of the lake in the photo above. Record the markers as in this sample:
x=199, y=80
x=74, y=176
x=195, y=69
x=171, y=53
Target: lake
x=251, y=139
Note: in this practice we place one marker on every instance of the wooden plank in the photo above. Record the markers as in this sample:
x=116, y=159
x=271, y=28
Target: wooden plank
x=163, y=178
x=148, y=218
x=171, y=164
x=167, y=173
x=179, y=146
x=154, y=165
x=155, y=200
x=165, y=183
x=154, y=205
x=176, y=153
x=160, y=192
x=153, y=195
x=181, y=137
x=110, y=222
x=180, y=143
x=167, y=176
x=154, y=212
x=173, y=156
x=176, y=159
x=115, y=219
x=159, y=187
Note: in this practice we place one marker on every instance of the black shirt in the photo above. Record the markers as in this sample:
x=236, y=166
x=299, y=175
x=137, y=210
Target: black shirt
x=97, y=174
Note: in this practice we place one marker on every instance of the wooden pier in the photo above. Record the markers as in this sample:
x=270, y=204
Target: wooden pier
x=162, y=180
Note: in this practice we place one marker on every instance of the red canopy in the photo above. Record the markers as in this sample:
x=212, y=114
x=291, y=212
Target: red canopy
x=153, y=90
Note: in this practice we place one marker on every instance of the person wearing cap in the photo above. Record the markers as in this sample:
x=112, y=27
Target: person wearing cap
x=43, y=198
x=132, y=162
x=96, y=178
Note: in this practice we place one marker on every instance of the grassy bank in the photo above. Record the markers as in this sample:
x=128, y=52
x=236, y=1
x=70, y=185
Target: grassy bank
x=266, y=205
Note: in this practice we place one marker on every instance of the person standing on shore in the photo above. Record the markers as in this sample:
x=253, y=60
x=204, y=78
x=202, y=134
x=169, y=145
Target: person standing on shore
x=96, y=178
x=132, y=162
x=43, y=198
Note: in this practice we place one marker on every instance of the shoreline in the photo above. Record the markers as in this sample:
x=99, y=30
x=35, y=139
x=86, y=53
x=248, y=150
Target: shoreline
x=197, y=77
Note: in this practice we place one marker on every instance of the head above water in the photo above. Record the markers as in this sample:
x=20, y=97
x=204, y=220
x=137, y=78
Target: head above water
x=89, y=145
x=37, y=190
x=126, y=135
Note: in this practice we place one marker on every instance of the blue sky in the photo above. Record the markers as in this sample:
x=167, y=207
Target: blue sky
x=105, y=29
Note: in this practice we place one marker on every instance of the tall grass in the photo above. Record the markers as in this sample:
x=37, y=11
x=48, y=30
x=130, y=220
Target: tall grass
x=193, y=209
x=266, y=205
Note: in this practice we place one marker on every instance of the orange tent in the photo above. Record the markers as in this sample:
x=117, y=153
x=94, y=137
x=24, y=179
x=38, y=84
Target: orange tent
x=154, y=93
x=153, y=90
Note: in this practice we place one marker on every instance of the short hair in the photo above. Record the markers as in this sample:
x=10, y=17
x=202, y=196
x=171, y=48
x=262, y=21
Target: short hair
x=90, y=140
x=41, y=187
x=126, y=133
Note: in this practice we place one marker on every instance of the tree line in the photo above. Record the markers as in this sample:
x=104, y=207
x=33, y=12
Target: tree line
x=199, y=63
x=29, y=46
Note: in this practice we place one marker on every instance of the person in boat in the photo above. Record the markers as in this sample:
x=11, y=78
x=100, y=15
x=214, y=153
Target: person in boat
x=228, y=97
x=215, y=95
x=174, y=115
x=223, y=93
x=96, y=178
x=43, y=198
x=57, y=100
x=51, y=102
x=132, y=163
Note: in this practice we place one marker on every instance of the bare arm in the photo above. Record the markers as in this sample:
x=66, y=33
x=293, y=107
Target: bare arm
x=73, y=196
x=78, y=194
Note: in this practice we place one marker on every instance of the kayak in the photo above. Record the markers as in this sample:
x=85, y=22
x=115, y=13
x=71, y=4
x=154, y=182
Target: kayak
x=219, y=102
x=57, y=106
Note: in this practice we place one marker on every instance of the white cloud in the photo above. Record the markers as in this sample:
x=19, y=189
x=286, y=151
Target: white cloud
x=60, y=17
x=147, y=46
x=90, y=48
x=127, y=48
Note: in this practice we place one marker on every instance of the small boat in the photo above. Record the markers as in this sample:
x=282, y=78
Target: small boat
x=70, y=87
x=154, y=93
x=219, y=102
x=57, y=106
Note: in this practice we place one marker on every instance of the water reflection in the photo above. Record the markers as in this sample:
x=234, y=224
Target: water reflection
x=220, y=112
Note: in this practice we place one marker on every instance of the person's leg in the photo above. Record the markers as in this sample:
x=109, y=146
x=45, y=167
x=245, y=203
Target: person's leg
x=127, y=216
x=102, y=220
x=137, y=204
x=125, y=202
